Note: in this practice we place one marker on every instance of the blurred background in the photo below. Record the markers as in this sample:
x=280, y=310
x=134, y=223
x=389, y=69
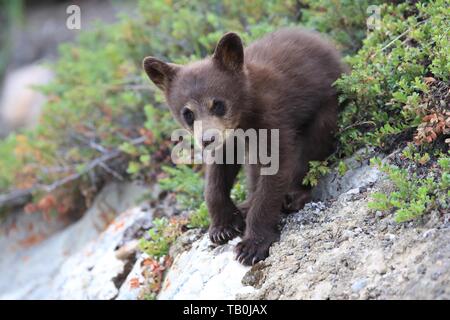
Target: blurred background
x=29, y=39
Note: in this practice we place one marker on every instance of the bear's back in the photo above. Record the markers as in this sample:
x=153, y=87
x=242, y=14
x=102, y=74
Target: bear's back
x=297, y=55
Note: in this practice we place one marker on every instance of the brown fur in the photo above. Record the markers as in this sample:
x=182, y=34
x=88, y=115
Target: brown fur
x=282, y=81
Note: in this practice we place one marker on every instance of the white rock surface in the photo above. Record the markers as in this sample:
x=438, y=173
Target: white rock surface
x=205, y=272
x=89, y=274
x=76, y=262
x=128, y=290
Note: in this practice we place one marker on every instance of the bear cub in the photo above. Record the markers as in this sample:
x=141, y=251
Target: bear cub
x=282, y=81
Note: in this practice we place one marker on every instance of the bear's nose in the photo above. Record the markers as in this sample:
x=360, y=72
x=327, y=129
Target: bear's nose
x=207, y=140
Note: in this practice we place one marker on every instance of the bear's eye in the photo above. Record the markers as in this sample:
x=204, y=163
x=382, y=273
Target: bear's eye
x=218, y=108
x=188, y=116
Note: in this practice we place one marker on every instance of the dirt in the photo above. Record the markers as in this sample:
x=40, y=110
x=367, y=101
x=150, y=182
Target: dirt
x=342, y=250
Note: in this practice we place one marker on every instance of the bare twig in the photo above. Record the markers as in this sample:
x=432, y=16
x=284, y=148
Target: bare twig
x=137, y=87
x=356, y=125
x=114, y=173
x=91, y=143
x=90, y=166
x=402, y=34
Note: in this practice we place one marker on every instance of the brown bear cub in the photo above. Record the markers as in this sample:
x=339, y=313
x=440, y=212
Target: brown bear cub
x=283, y=81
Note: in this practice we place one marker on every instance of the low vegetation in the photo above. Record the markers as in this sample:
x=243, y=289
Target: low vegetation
x=397, y=97
x=414, y=195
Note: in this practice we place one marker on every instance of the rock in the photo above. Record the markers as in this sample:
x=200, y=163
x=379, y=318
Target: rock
x=375, y=262
x=389, y=237
x=78, y=261
x=421, y=269
x=205, y=272
x=95, y=272
x=331, y=250
x=138, y=229
x=184, y=242
x=379, y=214
x=347, y=234
x=359, y=284
x=133, y=284
x=322, y=291
x=360, y=175
x=126, y=251
x=255, y=277
x=353, y=191
x=429, y=233
x=20, y=103
x=316, y=206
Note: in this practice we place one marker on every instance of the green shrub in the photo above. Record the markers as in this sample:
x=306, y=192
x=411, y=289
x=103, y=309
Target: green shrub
x=385, y=90
x=186, y=183
x=317, y=169
x=163, y=233
x=397, y=83
x=99, y=97
x=239, y=191
x=413, y=195
x=199, y=218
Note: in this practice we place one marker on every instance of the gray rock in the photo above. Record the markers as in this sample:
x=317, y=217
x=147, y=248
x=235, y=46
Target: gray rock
x=429, y=233
x=133, y=284
x=95, y=271
x=322, y=291
x=76, y=262
x=184, y=242
x=347, y=234
x=359, y=284
x=353, y=191
x=375, y=262
x=389, y=237
x=360, y=175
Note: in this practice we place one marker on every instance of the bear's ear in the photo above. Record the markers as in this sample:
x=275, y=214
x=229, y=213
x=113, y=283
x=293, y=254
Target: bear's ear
x=161, y=73
x=229, y=53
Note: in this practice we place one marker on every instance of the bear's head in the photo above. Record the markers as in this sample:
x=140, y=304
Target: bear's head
x=212, y=92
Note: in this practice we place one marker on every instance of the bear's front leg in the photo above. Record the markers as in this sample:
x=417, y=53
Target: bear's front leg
x=263, y=216
x=226, y=220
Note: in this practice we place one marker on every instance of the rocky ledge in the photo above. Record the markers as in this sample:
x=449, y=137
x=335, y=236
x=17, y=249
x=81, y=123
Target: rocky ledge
x=335, y=248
